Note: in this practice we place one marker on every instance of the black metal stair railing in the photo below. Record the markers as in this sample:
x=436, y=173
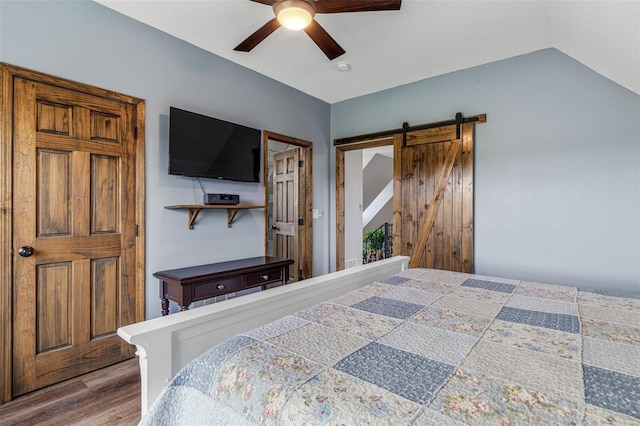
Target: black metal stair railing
x=377, y=244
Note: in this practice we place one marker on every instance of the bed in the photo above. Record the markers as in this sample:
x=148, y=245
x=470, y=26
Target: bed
x=382, y=344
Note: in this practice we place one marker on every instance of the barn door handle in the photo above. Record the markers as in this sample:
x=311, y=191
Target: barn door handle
x=25, y=251
x=273, y=227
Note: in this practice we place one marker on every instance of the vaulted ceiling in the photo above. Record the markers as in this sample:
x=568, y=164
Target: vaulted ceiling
x=425, y=38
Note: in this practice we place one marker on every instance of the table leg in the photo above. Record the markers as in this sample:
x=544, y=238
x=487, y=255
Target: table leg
x=165, y=306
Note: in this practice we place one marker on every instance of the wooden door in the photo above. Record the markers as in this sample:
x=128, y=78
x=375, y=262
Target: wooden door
x=304, y=264
x=433, y=198
x=286, y=187
x=75, y=183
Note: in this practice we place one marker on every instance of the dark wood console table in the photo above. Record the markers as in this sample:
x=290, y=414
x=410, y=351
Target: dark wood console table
x=187, y=285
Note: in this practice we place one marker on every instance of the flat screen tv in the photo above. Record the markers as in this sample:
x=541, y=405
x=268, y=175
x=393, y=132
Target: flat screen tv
x=201, y=146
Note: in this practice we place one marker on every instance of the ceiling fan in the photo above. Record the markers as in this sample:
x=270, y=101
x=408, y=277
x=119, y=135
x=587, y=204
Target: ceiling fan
x=299, y=15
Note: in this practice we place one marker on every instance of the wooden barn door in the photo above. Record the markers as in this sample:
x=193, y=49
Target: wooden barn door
x=433, y=197
x=76, y=239
x=286, y=181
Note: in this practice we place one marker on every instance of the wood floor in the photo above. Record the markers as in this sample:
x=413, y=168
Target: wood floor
x=110, y=396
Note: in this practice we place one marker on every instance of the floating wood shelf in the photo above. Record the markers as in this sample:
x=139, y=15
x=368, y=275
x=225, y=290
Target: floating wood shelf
x=194, y=211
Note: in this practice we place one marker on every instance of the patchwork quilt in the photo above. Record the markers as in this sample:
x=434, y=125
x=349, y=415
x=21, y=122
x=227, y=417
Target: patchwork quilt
x=425, y=347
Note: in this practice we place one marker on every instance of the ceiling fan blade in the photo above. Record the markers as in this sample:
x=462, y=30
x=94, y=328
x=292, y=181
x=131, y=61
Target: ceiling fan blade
x=254, y=39
x=341, y=6
x=267, y=2
x=324, y=41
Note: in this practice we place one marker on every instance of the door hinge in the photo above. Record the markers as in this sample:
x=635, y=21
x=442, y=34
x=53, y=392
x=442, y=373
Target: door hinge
x=135, y=229
x=300, y=163
x=300, y=222
x=135, y=133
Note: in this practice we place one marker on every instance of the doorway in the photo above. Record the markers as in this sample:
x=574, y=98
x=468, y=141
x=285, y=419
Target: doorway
x=349, y=226
x=368, y=213
x=288, y=197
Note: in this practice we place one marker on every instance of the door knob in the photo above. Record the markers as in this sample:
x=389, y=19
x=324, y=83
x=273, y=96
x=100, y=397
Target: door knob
x=25, y=251
x=273, y=227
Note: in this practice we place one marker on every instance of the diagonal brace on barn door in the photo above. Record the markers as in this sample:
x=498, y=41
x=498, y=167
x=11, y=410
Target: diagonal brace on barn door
x=434, y=203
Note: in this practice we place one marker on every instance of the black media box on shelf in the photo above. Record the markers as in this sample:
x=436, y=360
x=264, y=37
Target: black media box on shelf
x=224, y=199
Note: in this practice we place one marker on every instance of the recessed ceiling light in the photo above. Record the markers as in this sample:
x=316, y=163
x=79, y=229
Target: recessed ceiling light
x=343, y=66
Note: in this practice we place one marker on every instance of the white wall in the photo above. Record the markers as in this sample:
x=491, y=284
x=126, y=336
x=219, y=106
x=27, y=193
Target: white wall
x=378, y=190
x=86, y=42
x=557, y=165
x=353, y=207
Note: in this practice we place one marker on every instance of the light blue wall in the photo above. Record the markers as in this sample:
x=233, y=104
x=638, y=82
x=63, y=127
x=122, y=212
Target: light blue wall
x=86, y=42
x=557, y=165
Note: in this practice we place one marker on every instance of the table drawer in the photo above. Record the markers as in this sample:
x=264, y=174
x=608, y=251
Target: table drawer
x=214, y=288
x=264, y=277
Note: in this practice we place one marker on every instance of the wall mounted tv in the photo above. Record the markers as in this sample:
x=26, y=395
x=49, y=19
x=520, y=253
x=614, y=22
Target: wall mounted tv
x=201, y=146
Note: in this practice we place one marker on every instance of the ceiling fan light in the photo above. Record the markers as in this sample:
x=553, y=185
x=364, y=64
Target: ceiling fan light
x=294, y=14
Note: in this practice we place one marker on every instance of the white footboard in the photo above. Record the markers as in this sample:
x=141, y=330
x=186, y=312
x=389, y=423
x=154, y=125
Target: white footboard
x=166, y=344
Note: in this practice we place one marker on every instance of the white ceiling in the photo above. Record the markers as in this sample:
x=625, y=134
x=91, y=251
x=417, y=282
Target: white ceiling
x=424, y=39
